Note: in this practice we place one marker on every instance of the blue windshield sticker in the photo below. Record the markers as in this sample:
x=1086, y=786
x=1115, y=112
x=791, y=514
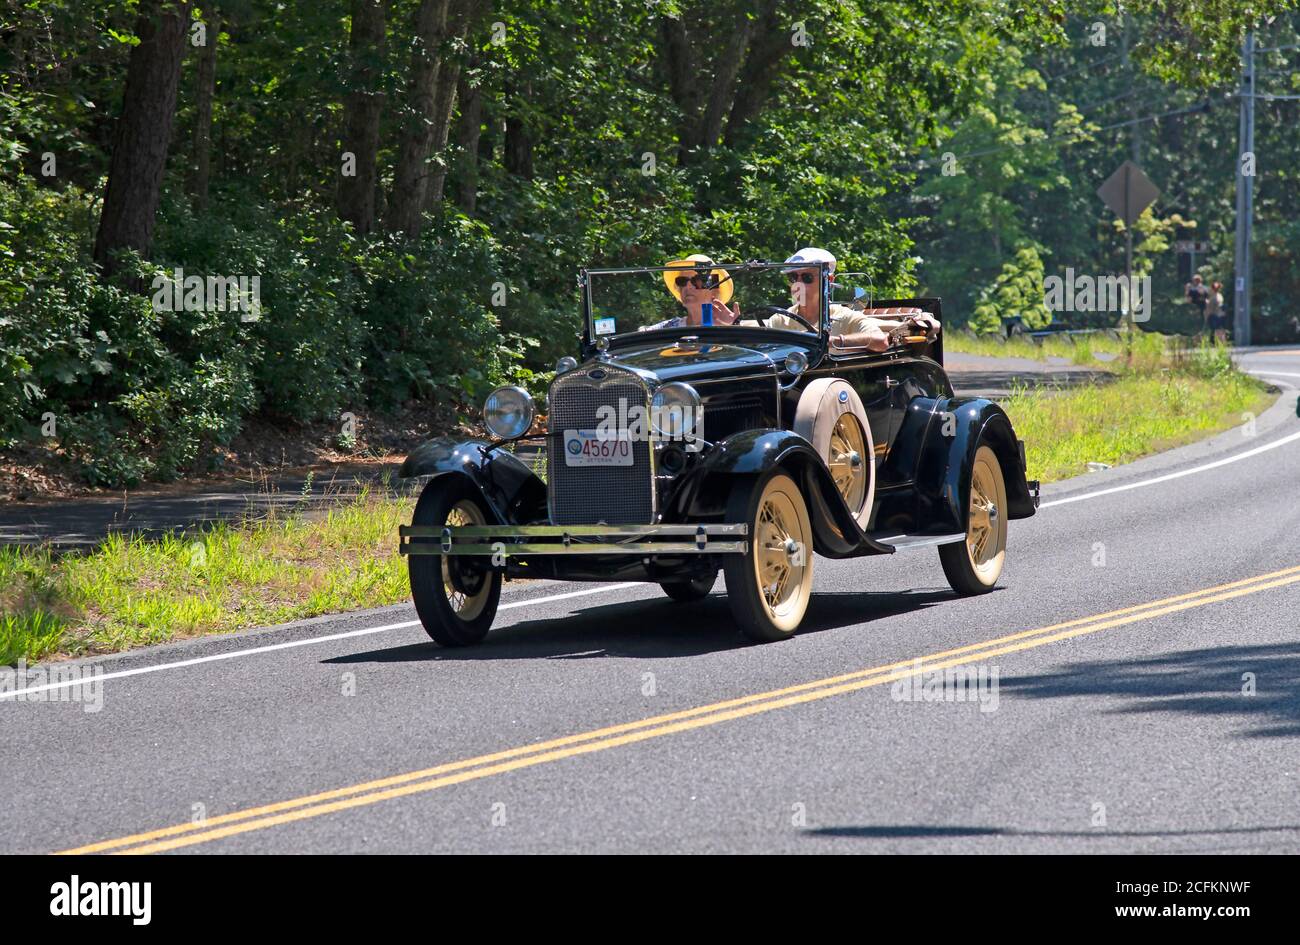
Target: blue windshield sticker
x=604, y=326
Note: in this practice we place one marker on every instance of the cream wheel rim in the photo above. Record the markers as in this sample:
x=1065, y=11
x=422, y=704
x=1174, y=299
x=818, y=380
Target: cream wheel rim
x=463, y=605
x=986, y=535
x=781, y=555
x=847, y=460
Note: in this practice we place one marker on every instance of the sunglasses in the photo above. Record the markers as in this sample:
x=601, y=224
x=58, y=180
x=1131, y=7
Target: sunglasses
x=700, y=282
x=805, y=277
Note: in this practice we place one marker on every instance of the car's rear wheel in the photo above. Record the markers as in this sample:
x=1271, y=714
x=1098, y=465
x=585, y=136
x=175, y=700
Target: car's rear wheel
x=685, y=592
x=769, y=586
x=455, y=596
x=973, y=566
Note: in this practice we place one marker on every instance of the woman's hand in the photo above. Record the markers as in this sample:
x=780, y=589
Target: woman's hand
x=727, y=316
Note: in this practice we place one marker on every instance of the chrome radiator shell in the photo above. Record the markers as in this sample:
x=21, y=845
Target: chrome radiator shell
x=591, y=495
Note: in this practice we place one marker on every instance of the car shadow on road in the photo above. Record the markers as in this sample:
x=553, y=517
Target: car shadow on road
x=1255, y=686
x=652, y=629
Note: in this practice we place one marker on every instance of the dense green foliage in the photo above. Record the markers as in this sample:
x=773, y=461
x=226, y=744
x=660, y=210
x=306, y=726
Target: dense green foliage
x=593, y=143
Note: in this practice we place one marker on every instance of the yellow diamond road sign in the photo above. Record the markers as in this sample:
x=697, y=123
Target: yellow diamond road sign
x=1128, y=192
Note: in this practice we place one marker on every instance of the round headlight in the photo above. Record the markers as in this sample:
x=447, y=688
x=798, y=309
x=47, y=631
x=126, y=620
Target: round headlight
x=796, y=362
x=675, y=410
x=508, y=412
x=565, y=363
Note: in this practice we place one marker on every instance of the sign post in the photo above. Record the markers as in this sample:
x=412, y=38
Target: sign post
x=1128, y=192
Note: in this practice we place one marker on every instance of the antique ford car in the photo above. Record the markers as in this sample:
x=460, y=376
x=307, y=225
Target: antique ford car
x=676, y=448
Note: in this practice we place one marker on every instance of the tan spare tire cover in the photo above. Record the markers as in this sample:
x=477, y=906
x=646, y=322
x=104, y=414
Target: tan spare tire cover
x=821, y=405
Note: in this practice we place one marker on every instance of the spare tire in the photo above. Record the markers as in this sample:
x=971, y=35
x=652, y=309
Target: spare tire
x=831, y=418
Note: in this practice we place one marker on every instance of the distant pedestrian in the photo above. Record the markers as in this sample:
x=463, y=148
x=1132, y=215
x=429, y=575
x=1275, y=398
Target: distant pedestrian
x=1198, y=296
x=1215, y=319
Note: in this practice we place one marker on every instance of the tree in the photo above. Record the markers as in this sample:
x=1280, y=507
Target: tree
x=143, y=131
x=704, y=69
x=426, y=116
x=469, y=129
x=1017, y=292
x=206, y=93
x=361, y=114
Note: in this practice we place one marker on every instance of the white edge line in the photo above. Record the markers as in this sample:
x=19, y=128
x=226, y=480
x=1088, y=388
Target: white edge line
x=158, y=667
x=604, y=588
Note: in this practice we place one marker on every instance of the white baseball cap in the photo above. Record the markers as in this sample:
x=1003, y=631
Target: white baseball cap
x=813, y=256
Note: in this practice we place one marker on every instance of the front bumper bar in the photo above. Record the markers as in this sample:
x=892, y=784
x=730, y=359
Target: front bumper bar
x=513, y=540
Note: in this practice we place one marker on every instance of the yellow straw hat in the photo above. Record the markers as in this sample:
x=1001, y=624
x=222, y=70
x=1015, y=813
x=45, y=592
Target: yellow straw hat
x=725, y=286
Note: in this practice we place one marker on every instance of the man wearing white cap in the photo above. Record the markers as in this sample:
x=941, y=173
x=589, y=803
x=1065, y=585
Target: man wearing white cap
x=850, y=328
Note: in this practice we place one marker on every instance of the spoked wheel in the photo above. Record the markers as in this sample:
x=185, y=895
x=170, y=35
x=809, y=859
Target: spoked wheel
x=769, y=586
x=847, y=460
x=685, y=592
x=455, y=596
x=973, y=566
x=830, y=416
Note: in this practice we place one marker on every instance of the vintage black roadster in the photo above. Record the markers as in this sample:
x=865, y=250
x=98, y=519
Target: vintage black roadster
x=675, y=450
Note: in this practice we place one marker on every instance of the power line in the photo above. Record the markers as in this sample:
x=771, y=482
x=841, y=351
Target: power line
x=1105, y=101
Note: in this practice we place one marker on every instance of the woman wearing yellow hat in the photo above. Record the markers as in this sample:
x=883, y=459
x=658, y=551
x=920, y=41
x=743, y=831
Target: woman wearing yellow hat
x=694, y=281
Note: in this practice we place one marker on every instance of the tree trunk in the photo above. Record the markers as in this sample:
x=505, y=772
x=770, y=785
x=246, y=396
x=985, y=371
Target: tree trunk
x=411, y=178
x=768, y=51
x=468, y=130
x=202, y=144
x=518, y=147
x=444, y=105
x=143, y=131
x=722, y=91
x=362, y=110
x=678, y=68
x=462, y=21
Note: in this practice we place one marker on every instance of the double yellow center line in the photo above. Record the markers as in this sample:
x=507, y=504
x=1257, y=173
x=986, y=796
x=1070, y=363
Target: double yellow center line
x=526, y=756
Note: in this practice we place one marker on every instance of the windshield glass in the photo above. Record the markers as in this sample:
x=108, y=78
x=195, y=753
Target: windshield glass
x=695, y=293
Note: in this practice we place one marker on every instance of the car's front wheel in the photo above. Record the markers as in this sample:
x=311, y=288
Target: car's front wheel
x=455, y=596
x=769, y=586
x=973, y=566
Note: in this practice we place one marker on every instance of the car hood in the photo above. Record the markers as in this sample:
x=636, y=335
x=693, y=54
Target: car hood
x=667, y=361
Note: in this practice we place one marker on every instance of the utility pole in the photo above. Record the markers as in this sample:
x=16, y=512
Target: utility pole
x=1136, y=127
x=1245, y=195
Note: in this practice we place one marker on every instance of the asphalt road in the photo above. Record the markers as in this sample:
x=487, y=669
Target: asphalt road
x=1145, y=643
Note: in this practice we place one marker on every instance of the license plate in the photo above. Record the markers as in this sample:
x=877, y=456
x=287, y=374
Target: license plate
x=592, y=448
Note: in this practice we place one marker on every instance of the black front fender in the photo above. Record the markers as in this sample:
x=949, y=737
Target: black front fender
x=511, y=489
x=743, y=457
x=960, y=426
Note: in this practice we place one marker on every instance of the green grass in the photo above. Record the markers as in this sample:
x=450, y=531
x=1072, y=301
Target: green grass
x=132, y=591
x=1136, y=414
x=1165, y=391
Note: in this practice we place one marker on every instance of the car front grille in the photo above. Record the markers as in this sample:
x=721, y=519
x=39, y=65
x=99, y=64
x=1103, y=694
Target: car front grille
x=591, y=495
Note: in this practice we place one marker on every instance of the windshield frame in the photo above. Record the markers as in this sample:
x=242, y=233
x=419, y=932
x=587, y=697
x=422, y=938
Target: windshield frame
x=591, y=343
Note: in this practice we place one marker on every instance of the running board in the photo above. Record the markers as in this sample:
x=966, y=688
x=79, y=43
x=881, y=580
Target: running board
x=908, y=542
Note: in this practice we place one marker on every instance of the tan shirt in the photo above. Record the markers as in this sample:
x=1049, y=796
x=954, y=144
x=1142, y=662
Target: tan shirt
x=844, y=321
